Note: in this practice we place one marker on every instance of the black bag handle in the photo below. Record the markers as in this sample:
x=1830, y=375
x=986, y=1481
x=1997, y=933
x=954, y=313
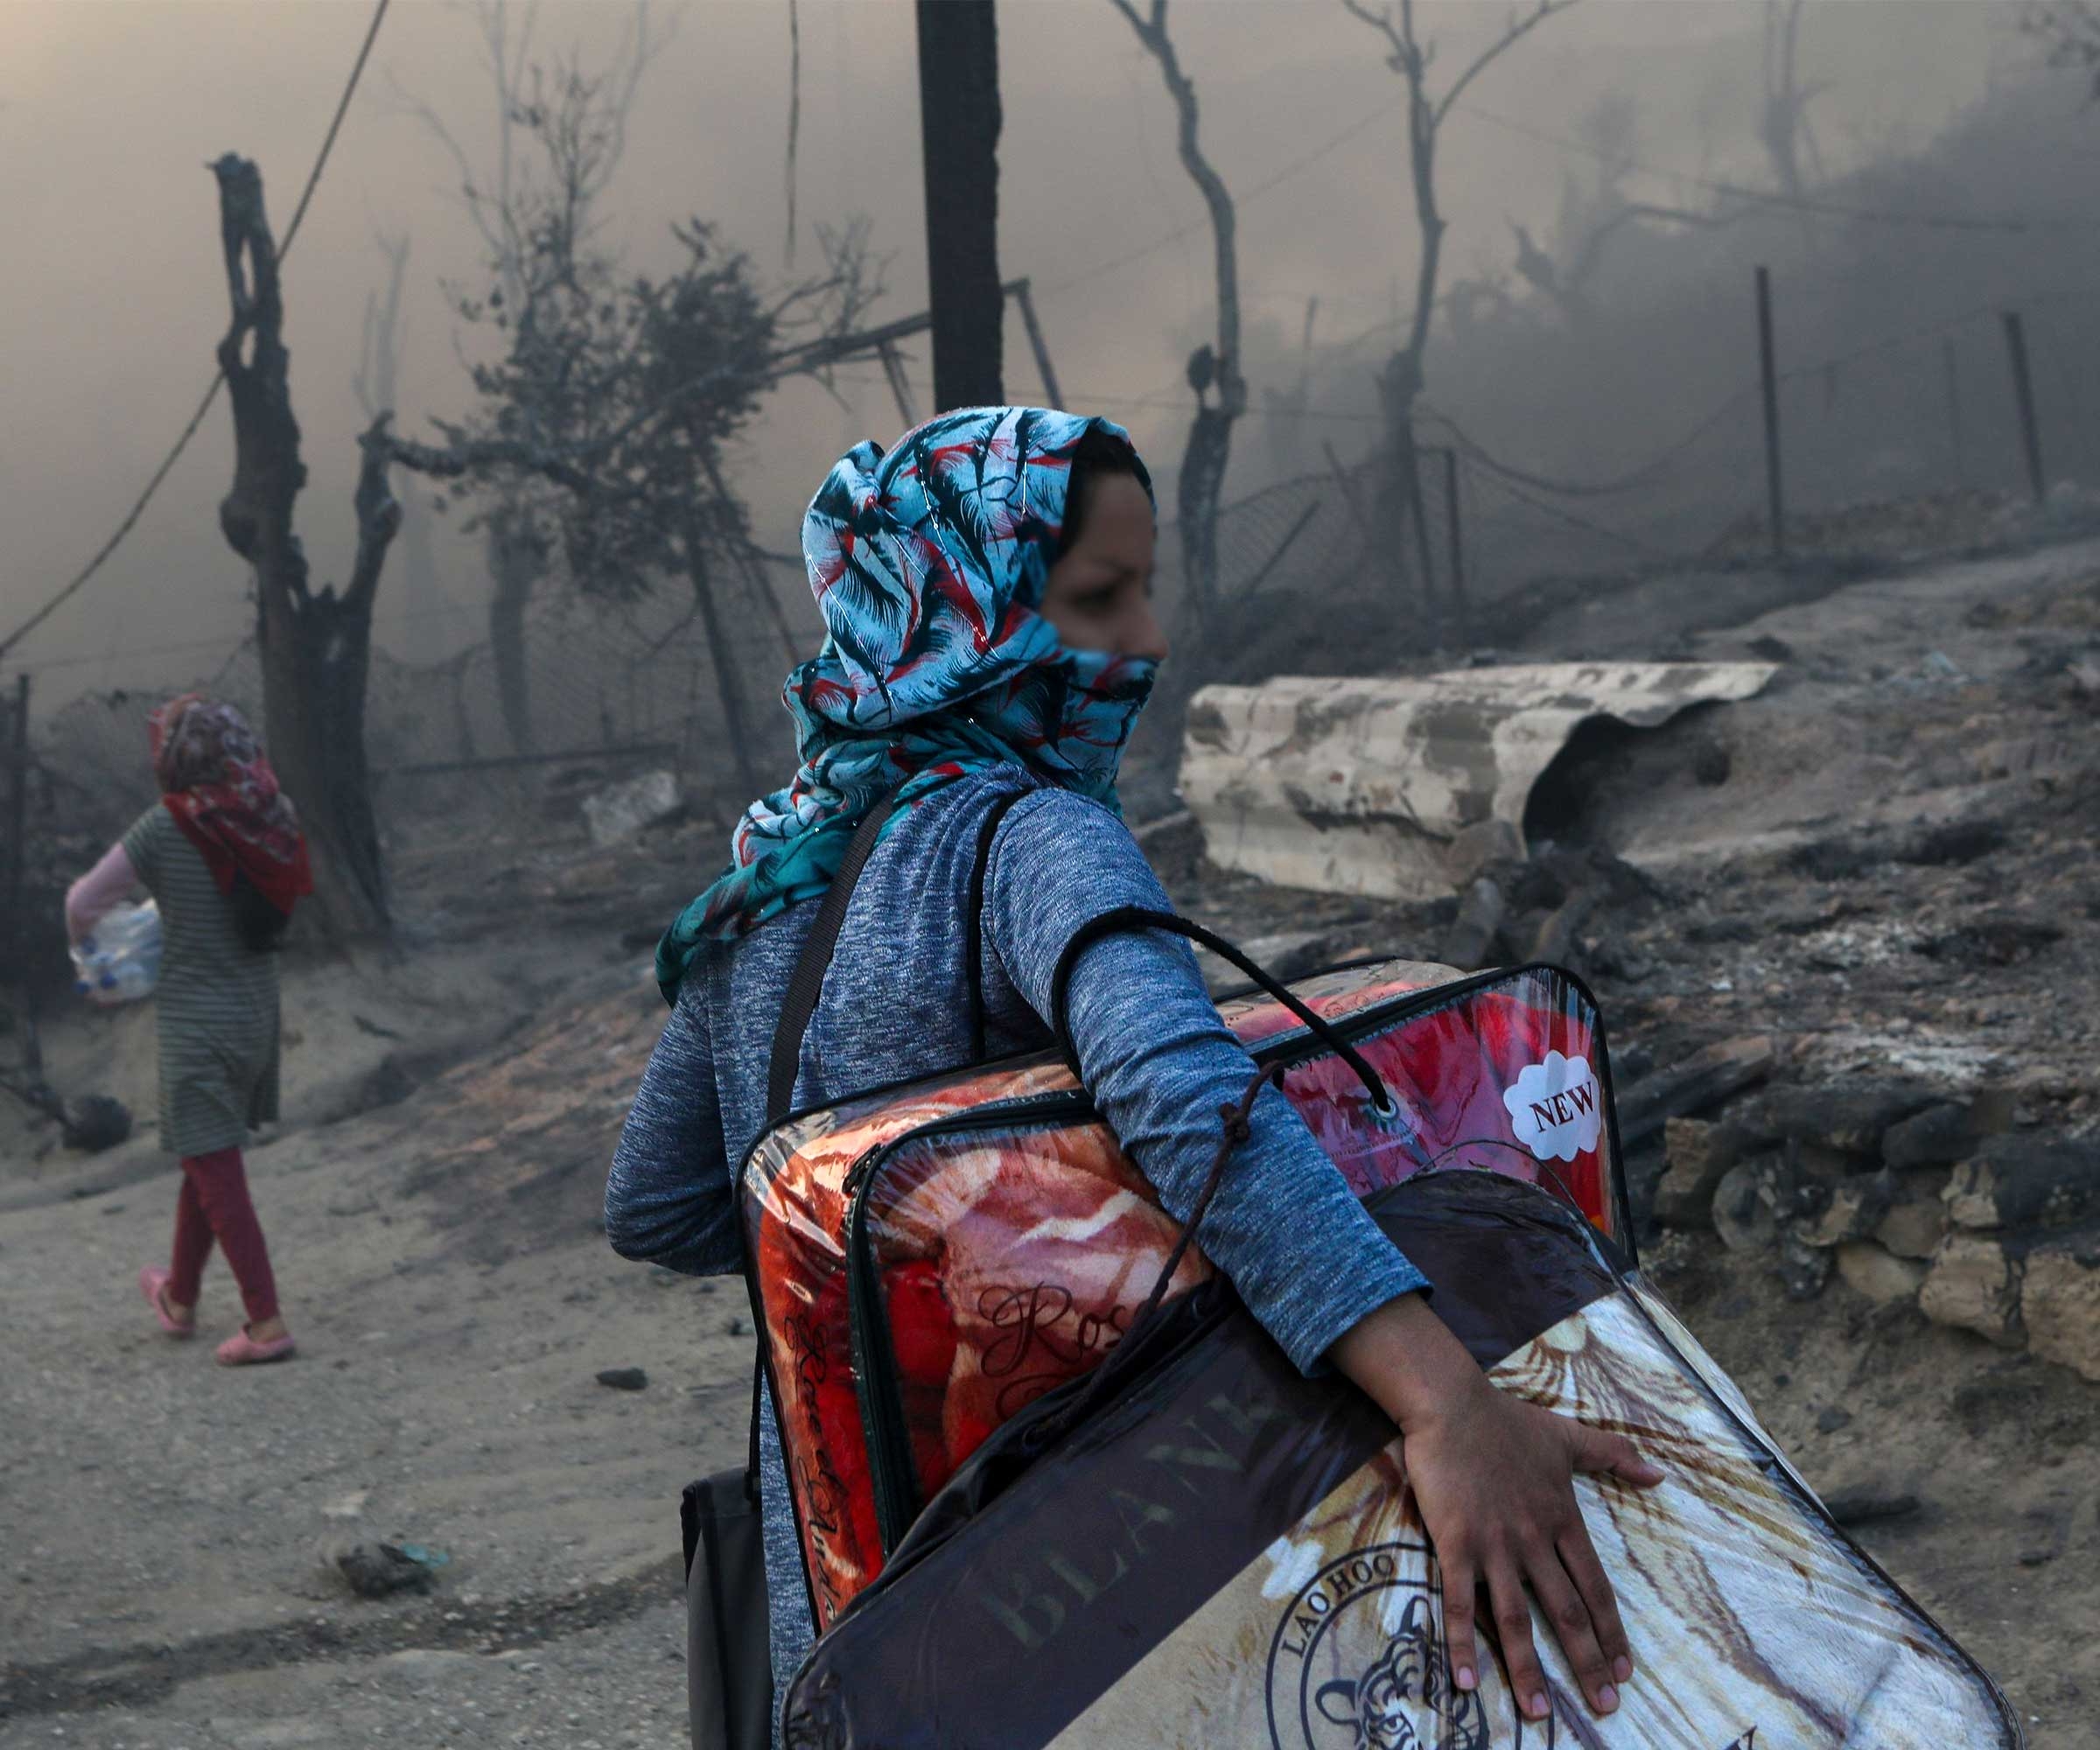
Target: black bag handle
x=1125, y=919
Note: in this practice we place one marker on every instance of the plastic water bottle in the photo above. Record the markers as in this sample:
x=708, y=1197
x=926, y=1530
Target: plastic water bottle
x=120, y=962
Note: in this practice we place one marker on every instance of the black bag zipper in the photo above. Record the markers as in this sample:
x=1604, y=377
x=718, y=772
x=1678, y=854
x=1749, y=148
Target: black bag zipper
x=892, y=1473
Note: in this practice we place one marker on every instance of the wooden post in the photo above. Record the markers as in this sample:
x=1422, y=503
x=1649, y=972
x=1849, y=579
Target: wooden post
x=2023, y=391
x=18, y=865
x=1954, y=409
x=959, y=135
x=1774, y=502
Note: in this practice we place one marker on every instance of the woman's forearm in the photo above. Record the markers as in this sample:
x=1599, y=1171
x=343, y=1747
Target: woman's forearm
x=97, y=893
x=1406, y=1361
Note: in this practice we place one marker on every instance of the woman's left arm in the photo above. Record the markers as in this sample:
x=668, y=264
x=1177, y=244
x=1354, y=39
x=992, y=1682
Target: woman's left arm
x=667, y=1197
x=1286, y=1227
x=97, y=893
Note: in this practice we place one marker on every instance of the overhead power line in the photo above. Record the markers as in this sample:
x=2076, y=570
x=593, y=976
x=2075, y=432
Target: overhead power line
x=1813, y=206
x=211, y=394
x=1167, y=239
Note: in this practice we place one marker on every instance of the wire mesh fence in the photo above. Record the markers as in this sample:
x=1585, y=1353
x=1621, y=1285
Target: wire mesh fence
x=1907, y=440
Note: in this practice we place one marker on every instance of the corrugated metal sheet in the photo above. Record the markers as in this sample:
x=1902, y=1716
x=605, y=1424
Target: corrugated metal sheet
x=1360, y=785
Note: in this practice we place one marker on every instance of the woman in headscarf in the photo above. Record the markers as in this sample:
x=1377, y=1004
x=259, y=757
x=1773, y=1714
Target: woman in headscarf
x=223, y=854
x=986, y=586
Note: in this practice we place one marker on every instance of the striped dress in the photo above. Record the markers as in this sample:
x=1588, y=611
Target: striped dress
x=217, y=999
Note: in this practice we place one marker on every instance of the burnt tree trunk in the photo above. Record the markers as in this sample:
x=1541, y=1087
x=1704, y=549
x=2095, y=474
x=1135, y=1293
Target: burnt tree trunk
x=315, y=645
x=1209, y=449
x=959, y=131
x=516, y=562
x=727, y=684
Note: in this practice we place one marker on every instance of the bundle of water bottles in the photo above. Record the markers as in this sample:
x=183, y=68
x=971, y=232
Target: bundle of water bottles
x=119, y=961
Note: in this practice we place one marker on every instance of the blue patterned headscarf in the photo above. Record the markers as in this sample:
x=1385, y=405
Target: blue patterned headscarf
x=928, y=565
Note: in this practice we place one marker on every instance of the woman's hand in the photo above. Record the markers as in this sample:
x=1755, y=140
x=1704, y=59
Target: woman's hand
x=1493, y=1477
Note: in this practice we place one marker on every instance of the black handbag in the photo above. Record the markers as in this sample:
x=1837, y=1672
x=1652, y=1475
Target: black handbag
x=728, y=1652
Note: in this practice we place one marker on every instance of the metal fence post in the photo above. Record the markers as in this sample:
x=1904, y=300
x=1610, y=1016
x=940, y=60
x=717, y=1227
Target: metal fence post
x=2023, y=391
x=1775, y=505
x=1954, y=409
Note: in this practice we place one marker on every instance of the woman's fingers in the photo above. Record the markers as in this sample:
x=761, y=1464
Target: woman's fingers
x=1461, y=1646
x=1595, y=1452
x=1513, y=1628
x=1579, y=1556
x=1574, y=1627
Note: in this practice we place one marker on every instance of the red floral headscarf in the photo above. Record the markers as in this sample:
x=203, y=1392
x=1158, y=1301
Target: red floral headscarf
x=216, y=782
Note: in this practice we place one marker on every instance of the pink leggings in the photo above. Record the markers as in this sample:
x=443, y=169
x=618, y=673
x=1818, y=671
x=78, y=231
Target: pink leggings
x=215, y=1205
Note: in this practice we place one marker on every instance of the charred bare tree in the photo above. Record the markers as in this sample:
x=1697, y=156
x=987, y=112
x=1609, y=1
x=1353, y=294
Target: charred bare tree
x=2069, y=32
x=605, y=426
x=376, y=384
x=959, y=119
x=560, y=134
x=1783, y=126
x=315, y=645
x=1215, y=367
x=1400, y=384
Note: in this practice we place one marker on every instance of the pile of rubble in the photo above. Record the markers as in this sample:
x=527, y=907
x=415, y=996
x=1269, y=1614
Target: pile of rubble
x=1906, y=1194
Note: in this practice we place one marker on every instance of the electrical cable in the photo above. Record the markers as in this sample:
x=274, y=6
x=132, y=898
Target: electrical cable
x=1812, y=206
x=211, y=394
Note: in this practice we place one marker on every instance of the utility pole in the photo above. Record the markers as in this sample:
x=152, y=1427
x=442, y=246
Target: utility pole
x=959, y=134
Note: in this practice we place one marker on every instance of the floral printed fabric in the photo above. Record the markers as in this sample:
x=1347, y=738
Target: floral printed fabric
x=218, y=785
x=928, y=565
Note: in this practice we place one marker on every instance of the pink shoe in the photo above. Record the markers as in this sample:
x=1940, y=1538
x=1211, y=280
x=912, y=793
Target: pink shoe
x=243, y=1350
x=153, y=1284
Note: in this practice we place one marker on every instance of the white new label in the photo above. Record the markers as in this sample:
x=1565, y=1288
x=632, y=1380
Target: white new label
x=1555, y=1106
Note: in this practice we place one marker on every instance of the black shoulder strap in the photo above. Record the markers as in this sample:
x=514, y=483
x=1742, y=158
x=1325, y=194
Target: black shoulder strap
x=816, y=960
x=974, y=923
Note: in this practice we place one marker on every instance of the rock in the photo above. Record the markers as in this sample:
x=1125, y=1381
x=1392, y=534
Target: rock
x=2020, y=1181
x=1477, y=848
x=624, y=1379
x=1867, y=1502
x=1479, y=920
x=1993, y=942
x=1696, y=1155
x=1973, y=1284
x=1880, y=1276
x=621, y=810
x=96, y=1122
x=1554, y=942
x=1742, y=1216
x=1289, y=956
x=1694, y=1084
x=1942, y=1133
x=1917, y=1221
x=1850, y=1117
x=2060, y=1302
x=380, y=1570
x=1804, y=1268
x=1856, y=1208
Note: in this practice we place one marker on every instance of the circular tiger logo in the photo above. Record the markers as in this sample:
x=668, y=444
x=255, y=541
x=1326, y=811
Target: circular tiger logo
x=1357, y=1663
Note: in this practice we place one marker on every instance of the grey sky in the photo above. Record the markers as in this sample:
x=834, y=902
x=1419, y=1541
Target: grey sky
x=111, y=292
